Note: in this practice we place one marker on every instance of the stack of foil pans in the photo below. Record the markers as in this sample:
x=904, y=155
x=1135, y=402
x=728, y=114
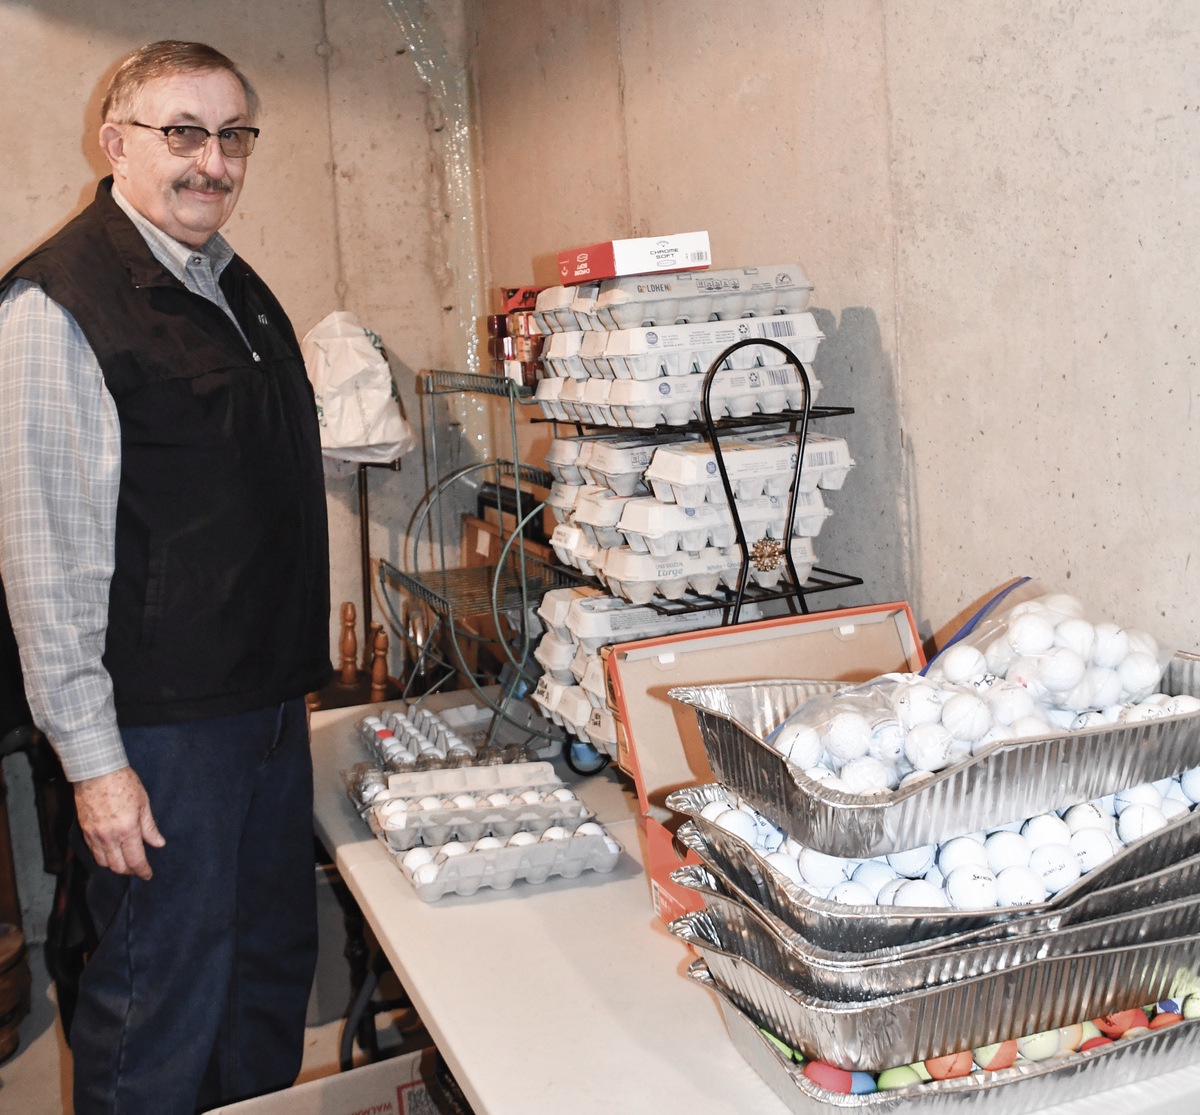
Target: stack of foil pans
x=868, y=987
x=1027, y=1086
x=1012, y=782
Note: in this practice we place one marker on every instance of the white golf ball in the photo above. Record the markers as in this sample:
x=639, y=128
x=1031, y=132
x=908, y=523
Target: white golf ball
x=1045, y=828
x=1025, y=672
x=1061, y=603
x=714, y=809
x=431, y=803
x=1112, y=645
x=531, y=797
x=847, y=736
x=1020, y=886
x=563, y=793
x=451, y=849
x=465, y=801
x=1056, y=864
x=767, y=837
x=392, y=806
x=521, y=839
x=499, y=799
x=826, y=778
x=961, y=662
x=887, y=892
x=915, y=778
x=821, y=870
x=486, y=843
x=917, y=703
x=1182, y=705
x=995, y=735
x=972, y=887
x=1060, y=669
x=873, y=874
x=928, y=746
x=1092, y=847
x=738, y=824
x=866, y=776
x=554, y=832
x=887, y=741
x=1145, y=793
x=999, y=655
x=415, y=857
x=1189, y=783
x=786, y=865
x=1009, y=702
x=798, y=743
x=1077, y=635
x=1031, y=634
x=913, y=862
x=590, y=828
x=917, y=892
x=1137, y=821
x=1007, y=849
x=1142, y=641
x=1173, y=807
x=934, y=875
x=966, y=717
x=962, y=851
x=1089, y=721
x=851, y=893
x=1139, y=674
x=1030, y=727
x=1087, y=815
x=425, y=874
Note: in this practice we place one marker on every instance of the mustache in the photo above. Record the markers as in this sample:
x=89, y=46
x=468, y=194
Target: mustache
x=200, y=181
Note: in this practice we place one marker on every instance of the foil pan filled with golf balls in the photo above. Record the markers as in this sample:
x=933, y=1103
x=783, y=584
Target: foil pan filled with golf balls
x=877, y=1034
x=906, y=760
x=466, y=803
x=775, y=947
x=998, y=1079
x=1000, y=881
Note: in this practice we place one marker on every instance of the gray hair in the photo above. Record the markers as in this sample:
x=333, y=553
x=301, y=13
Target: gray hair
x=165, y=59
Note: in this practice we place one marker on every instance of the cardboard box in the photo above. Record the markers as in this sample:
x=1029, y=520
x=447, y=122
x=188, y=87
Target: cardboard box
x=391, y=1087
x=659, y=744
x=647, y=255
x=513, y=298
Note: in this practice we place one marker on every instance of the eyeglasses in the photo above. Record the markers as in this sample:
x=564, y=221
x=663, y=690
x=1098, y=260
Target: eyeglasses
x=189, y=140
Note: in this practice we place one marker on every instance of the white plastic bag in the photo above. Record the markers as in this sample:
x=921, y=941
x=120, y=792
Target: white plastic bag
x=357, y=404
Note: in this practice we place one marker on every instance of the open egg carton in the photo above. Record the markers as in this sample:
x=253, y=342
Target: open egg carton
x=757, y=464
x=424, y=741
x=692, y=296
x=468, y=803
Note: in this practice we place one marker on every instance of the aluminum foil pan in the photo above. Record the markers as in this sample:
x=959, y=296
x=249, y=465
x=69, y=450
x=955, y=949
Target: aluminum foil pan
x=1029, y=1086
x=876, y=1034
x=1015, y=781
x=843, y=928
x=851, y=978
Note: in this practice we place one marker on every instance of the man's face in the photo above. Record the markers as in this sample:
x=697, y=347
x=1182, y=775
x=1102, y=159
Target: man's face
x=190, y=197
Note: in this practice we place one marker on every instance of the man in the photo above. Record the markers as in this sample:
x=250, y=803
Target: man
x=163, y=548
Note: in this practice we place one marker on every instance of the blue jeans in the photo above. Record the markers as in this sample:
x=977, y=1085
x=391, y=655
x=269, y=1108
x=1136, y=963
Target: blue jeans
x=197, y=993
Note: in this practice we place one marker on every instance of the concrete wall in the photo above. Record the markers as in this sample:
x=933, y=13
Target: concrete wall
x=998, y=206
x=342, y=206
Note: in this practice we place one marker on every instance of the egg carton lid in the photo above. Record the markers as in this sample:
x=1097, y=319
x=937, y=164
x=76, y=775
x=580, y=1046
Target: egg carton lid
x=563, y=495
x=554, y=653
x=715, y=334
x=534, y=863
x=549, y=692
x=701, y=284
x=596, y=391
x=555, y=298
x=653, y=392
x=557, y=602
x=435, y=826
x=602, y=725
x=584, y=303
x=473, y=780
x=608, y=619
x=592, y=680
x=559, y=346
x=574, y=706
x=549, y=390
x=601, y=508
x=617, y=454
x=593, y=344
x=572, y=391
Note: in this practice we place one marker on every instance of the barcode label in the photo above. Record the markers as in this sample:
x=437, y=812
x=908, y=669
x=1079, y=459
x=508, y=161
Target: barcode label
x=821, y=459
x=697, y=257
x=775, y=329
x=780, y=377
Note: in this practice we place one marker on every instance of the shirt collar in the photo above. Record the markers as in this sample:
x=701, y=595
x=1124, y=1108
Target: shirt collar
x=173, y=254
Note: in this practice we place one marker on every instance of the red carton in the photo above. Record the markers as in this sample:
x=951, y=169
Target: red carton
x=648, y=255
x=660, y=745
x=513, y=298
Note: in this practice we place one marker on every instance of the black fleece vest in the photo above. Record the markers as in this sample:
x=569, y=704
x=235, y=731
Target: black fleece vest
x=219, y=601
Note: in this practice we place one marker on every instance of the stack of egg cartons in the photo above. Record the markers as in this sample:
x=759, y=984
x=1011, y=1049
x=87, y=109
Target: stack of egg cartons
x=646, y=514
x=866, y=935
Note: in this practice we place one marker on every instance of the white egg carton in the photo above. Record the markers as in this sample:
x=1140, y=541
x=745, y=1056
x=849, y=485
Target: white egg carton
x=557, y=603
x=602, y=732
x=653, y=527
x=575, y=709
x=639, y=300
x=618, y=461
x=757, y=464
x=573, y=548
x=679, y=350
x=638, y=578
x=597, y=514
x=599, y=621
x=560, y=354
x=562, y=458
x=499, y=868
x=571, y=400
x=591, y=681
x=424, y=742
x=593, y=356
x=555, y=309
x=561, y=500
x=548, y=395
x=547, y=695
x=595, y=402
x=414, y=826
x=677, y=400
x=554, y=655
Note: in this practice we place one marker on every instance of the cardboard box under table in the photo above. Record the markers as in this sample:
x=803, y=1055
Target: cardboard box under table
x=660, y=745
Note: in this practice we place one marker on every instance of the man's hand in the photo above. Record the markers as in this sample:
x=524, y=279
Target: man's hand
x=114, y=815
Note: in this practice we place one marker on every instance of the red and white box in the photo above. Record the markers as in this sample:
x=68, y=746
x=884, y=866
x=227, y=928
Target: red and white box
x=647, y=255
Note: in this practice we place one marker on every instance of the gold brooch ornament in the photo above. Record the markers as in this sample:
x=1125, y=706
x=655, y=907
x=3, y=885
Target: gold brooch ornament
x=766, y=554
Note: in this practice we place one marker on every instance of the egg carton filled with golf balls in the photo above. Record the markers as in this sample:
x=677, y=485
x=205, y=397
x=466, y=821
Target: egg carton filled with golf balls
x=466, y=803
x=422, y=740
x=680, y=350
x=859, y=904
x=955, y=790
x=757, y=464
x=462, y=868
x=852, y=977
x=1029, y=1083
x=877, y=1034
x=641, y=300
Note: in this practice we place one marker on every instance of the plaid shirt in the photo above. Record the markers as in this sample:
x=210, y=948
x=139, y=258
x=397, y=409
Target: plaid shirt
x=60, y=470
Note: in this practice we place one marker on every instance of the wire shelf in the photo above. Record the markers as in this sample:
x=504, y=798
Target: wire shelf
x=819, y=580
x=530, y=474
x=697, y=426
x=468, y=591
x=441, y=382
